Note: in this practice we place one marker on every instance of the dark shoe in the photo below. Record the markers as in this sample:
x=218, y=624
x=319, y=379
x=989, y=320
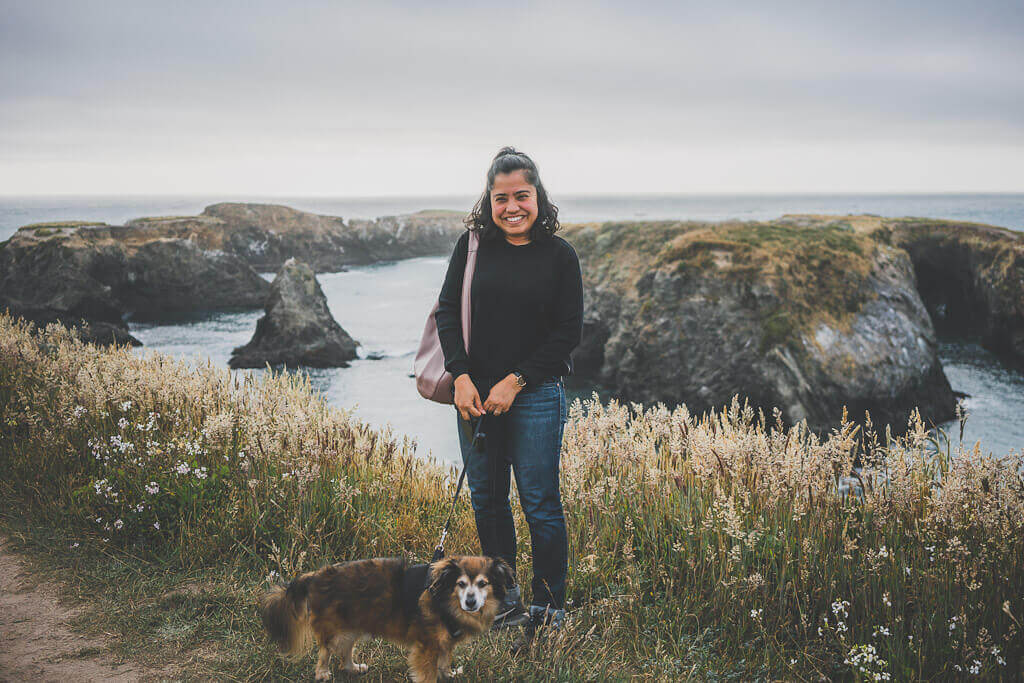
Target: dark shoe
x=543, y=620
x=511, y=613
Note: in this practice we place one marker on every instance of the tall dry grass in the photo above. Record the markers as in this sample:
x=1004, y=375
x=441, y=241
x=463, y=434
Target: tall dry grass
x=693, y=540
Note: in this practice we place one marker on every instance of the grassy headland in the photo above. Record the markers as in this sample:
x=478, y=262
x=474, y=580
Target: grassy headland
x=818, y=271
x=716, y=546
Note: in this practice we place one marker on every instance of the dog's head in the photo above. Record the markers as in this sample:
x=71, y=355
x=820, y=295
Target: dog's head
x=470, y=581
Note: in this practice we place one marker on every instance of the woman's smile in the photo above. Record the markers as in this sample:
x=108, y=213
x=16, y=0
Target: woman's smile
x=514, y=206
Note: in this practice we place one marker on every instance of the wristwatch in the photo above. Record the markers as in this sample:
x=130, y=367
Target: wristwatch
x=520, y=380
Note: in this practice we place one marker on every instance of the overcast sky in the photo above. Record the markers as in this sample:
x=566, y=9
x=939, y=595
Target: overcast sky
x=338, y=99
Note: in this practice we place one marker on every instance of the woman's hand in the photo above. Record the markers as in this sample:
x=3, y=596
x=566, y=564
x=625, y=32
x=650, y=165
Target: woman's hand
x=502, y=395
x=467, y=399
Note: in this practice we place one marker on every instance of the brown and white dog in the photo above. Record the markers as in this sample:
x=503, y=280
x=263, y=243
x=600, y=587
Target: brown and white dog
x=430, y=608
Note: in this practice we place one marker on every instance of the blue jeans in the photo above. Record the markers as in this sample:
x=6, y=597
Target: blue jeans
x=528, y=440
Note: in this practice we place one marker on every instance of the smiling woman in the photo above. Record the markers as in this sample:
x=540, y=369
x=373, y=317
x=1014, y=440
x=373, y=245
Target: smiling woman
x=526, y=317
x=514, y=190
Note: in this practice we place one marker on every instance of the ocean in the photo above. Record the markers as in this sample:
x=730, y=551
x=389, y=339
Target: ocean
x=384, y=306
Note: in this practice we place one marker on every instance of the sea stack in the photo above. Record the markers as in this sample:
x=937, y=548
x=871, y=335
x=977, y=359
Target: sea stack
x=298, y=328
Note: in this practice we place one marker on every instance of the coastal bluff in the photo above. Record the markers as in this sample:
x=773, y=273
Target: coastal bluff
x=809, y=314
x=267, y=235
x=93, y=276
x=970, y=276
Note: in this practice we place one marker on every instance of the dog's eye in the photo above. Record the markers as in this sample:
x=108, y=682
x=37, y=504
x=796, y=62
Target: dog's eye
x=463, y=583
x=481, y=583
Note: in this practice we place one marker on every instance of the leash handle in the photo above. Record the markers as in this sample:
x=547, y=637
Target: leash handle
x=439, y=550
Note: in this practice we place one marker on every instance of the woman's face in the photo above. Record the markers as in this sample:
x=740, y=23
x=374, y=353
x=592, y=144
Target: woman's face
x=514, y=206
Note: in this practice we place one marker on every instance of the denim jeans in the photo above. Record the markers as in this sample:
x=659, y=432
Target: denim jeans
x=528, y=440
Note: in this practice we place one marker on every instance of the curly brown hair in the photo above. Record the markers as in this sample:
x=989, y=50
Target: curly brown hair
x=508, y=160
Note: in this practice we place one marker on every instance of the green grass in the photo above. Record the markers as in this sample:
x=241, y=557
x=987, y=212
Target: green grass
x=714, y=547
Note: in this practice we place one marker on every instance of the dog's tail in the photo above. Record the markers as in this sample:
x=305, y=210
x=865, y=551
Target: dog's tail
x=286, y=616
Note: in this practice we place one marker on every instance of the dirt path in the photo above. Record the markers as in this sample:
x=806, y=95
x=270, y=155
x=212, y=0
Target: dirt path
x=36, y=643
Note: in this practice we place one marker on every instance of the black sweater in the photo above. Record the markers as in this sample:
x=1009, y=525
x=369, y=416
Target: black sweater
x=527, y=312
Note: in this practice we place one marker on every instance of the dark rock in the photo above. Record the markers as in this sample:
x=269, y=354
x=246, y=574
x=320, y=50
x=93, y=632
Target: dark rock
x=970, y=276
x=808, y=319
x=298, y=328
x=105, y=334
x=266, y=235
x=167, y=276
x=74, y=272
x=98, y=332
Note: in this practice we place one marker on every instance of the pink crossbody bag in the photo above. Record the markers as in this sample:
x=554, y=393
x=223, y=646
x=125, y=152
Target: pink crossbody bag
x=432, y=380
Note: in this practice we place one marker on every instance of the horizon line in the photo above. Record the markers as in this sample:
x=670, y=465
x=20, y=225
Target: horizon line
x=717, y=193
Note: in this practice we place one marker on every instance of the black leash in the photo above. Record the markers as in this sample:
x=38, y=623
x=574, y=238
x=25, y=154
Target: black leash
x=439, y=550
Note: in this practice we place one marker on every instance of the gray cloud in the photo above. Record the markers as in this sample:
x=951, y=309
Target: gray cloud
x=391, y=98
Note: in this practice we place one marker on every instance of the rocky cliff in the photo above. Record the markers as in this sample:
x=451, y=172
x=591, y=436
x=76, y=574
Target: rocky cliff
x=298, y=328
x=970, y=276
x=74, y=272
x=266, y=235
x=93, y=272
x=809, y=318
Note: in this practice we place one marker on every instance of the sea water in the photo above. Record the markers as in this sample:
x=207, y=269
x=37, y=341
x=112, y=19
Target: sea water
x=383, y=306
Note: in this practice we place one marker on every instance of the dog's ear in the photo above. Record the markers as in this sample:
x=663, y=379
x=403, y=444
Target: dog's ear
x=500, y=576
x=443, y=575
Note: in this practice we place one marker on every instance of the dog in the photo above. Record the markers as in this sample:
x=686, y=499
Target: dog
x=430, y=608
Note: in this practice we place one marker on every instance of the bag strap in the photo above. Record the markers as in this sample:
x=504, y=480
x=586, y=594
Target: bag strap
x=467, y=283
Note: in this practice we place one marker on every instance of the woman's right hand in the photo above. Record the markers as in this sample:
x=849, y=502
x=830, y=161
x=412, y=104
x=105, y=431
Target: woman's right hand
x=467, y=399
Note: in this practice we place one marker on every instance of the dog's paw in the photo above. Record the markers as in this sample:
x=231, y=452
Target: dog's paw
x=357, y=668
x=323, y=674
x=452, y=673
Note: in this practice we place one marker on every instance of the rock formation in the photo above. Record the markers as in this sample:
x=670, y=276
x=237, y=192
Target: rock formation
x=806, y=318
x=74, y=272
x=298, y=328
x=266, y=235
x=970, y=276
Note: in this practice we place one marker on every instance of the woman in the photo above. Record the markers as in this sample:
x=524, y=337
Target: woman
x=527, y=299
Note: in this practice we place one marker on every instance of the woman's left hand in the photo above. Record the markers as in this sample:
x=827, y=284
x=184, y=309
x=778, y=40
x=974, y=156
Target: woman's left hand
x=502, y=394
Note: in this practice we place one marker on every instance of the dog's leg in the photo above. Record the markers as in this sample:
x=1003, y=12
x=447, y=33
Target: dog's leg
x=323, y=664
x=423, y=663
x=342, y=645
x=444, y=665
